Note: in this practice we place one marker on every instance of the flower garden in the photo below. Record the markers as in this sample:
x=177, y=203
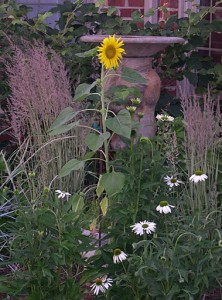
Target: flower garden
x=79, y=218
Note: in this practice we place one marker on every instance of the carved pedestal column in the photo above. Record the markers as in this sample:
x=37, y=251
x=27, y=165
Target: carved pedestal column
x=150, y=92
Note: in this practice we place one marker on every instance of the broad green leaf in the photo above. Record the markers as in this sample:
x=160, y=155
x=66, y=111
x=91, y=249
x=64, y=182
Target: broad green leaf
x=95, y=141
x=122, y=92
x=65, y=116
x=99, y=2
x=83, y=90
x=136, y=16
x=149, y=13
x=192, y=77
x=113, y=182
x=111, y=10
x=89, y=53
x=163, y=9
x=72, y=165
x=77, y=203
x=104, y=205
x=99, y=188
x=19, y=22
x=131, y=75
x=42, y=17
x=121, y=124
x=88, y=155
x=63, y=128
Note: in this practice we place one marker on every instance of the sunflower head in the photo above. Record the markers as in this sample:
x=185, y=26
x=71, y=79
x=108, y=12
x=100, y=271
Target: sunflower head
x=110, y=52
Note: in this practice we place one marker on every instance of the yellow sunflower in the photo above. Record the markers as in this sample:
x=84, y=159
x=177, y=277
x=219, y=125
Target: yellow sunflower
x=110, y=52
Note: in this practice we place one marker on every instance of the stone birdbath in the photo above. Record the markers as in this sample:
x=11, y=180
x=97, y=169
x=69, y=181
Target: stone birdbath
x=139, y=51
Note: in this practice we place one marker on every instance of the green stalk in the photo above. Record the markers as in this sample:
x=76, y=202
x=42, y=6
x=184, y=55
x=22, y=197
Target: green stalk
x=167, y=233
x=199, y=206
x=132, y=156
x=132, y=285
x=103, y=113
x=139, y=183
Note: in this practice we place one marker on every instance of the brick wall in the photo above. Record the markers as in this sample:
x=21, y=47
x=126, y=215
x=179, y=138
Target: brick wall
x=214, y=44
x=40, y=6
x=126, y=7
x=172, y=7
x=213, y=47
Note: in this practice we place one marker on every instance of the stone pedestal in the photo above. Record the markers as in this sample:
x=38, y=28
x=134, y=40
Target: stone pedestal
x=139, y=50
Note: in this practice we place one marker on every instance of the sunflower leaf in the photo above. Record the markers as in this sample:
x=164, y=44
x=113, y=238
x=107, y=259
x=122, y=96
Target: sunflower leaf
x=104, y=205
x=95, y=141
x=83, y=90
x=113, y=182
x=63, y=128
x=120, y=124
x=131, y=75
x=72, y=165
x=65, y=116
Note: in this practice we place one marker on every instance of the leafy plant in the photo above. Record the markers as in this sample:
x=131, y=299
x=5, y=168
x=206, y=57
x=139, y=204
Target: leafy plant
x=46, y=248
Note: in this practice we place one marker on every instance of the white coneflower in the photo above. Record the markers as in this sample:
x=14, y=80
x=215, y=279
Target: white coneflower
x=172, y=181
x=119, y=256
x=101, y=285
x=198, y=176
x=164, y=207
x=62, y=194
x=107, y=282
x=166, y=118
x=144, y=227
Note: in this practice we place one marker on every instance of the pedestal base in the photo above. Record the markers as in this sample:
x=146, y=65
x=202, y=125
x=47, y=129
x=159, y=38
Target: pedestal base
x=150, y=92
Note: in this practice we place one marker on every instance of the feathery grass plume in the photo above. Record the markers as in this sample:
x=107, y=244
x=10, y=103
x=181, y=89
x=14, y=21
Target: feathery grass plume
x=172, y=154
x=202, y=120
x=40, y=89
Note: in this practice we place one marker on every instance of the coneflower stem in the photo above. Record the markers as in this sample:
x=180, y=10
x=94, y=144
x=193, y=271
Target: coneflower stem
x=139, y=184
x=167, y=235
x=132, y=156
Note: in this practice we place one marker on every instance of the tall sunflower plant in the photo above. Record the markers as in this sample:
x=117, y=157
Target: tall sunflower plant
x=110, y=54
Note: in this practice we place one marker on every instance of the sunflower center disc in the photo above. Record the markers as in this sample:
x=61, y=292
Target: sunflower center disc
x=110, y=52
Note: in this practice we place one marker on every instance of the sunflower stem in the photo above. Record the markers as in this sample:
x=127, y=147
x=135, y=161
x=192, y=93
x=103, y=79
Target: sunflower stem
x=103, y=113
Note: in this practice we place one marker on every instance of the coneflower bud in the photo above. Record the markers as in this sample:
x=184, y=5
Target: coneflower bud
x=31, y=174
x=144, y=140
x=133, y=133
x=140, y=115
x=131, y=109
x=135, y=101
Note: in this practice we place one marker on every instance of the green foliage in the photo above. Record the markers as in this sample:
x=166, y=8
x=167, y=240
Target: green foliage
x=112, y=182
x=83, y=90
x=71, y=165
x=131, y=75
x=182, y=265
x=121, y=123
x=47, y=245
x=65, y=115
x=95, y=141
x=182, y=259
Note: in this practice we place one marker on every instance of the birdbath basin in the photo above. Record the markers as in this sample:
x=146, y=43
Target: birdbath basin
x=139, y=51
x=138, y=46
